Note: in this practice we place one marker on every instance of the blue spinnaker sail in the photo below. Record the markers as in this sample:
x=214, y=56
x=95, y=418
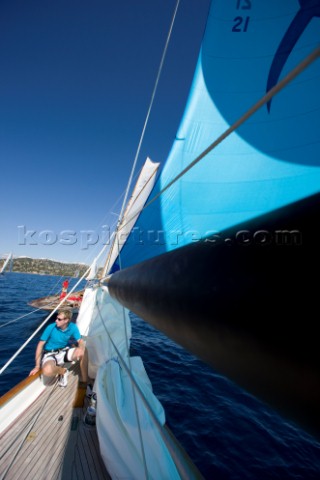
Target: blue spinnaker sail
x=270, y=161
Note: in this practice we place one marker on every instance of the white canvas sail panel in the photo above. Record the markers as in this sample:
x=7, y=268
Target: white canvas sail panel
x=106, y=328
x=140, y=194
x=118, y=427
x=100, y=317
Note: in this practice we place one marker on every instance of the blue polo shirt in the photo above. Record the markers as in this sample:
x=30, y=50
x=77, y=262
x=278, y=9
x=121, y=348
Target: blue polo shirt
x=56, y=338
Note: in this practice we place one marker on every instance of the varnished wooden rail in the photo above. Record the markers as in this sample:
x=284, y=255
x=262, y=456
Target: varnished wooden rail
x=18, y=388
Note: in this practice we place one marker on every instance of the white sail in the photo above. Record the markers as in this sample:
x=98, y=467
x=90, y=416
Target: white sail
x=118, y=428
x=6, y=263
x=105, y=325
x=100, y=317
x=93, y=270
x=106, y=328
x=139, y=196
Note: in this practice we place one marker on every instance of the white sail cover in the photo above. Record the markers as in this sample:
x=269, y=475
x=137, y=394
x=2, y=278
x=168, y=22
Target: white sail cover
x=106, y=327
x=118, y=430
x=100, y=317
x=140, y=194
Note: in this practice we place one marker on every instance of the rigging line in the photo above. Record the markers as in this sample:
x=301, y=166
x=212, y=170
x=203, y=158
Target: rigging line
x=262, y=101
x=114, y=224
x=53, y=288
x=22, y=316
x=101, y=222
x=178, y=461
x=147, y=117
x=105, y=245
x=50, y=315
x=26, y=315
x=43, y=323
x=114, y=205
x=144, y=461
x=29, y=430
x=107, y=263
x=132, y=387
x=149, y=109
x=55, y=285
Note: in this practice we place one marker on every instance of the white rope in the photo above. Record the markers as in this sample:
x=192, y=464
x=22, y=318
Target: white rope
x=124, y=202
x=263, y=100
x=52, y=313
x=42, y=324
x=149, y=110
x=49, y=316
x=22, y=316
x=30, y=313
x=296, y=71
x=34, y=310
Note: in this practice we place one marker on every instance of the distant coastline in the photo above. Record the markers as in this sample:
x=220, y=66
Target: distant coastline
x=43, y=266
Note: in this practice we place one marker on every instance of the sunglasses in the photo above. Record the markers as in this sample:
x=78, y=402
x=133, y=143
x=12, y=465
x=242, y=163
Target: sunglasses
x=60, y=319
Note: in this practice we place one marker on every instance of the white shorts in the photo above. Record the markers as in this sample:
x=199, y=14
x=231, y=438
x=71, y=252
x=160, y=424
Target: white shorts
x=58, y=356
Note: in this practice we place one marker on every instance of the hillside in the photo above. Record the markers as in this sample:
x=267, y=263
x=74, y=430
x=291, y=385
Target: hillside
x=44, y=266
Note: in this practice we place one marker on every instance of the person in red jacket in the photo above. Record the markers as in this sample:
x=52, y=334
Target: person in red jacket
x=65, y=286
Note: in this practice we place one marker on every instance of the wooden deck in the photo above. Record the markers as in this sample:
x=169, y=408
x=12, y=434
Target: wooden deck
x=52, y=301
x=50, y=441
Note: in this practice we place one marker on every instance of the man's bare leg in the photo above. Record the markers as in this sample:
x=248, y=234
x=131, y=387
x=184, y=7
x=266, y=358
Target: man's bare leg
x=50, y=369
x=81, y=355
x=84, y=367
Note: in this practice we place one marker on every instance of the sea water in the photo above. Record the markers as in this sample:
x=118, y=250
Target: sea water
x=229, y=434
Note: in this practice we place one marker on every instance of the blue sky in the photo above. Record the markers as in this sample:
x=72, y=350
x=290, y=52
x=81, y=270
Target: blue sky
x=75, y=85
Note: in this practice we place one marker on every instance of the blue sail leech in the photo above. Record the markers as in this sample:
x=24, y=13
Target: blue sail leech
x=270, y=161
x=309, y=10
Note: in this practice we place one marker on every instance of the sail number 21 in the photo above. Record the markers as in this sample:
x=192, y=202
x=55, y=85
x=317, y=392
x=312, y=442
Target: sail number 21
x=240, y=24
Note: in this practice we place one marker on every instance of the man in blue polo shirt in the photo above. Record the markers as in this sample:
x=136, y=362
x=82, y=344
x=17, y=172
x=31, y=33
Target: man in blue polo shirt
x=53, y=348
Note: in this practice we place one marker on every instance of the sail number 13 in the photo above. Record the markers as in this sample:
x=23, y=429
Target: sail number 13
x=240, y=24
